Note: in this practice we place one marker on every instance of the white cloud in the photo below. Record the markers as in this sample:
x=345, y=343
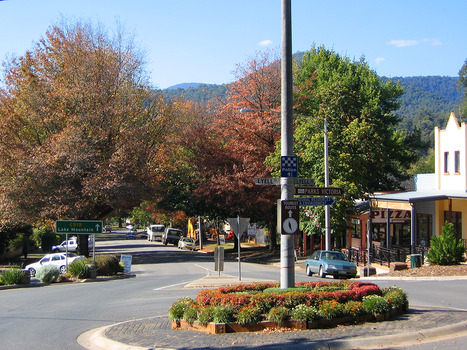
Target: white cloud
x=409, y=43
x=433, y=42
x=403, y=43
x=266, y=43
x=379, y=60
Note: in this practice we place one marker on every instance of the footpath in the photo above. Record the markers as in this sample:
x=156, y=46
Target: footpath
x=419, y=325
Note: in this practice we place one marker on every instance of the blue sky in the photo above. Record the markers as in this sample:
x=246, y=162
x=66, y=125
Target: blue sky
x=203, y=40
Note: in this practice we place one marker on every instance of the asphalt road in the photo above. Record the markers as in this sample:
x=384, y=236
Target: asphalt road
x=52, y=317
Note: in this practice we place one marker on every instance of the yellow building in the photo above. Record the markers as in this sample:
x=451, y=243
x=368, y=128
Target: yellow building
x=412, y=218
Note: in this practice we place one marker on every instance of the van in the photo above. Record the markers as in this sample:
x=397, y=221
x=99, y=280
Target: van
x=172, y=235
x=155, y=232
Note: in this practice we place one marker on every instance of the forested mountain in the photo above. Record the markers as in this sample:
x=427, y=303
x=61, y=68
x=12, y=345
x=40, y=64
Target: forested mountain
x=427, y=101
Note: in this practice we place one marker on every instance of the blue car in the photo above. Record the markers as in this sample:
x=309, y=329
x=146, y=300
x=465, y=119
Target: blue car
x=326, y=262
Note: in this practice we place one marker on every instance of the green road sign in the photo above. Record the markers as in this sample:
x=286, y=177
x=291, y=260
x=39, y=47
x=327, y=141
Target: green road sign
x=78, y=227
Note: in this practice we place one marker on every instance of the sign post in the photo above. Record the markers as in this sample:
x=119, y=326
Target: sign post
x=238, y=225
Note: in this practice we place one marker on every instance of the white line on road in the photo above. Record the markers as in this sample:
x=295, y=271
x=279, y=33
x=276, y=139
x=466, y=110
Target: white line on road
x=172, y=285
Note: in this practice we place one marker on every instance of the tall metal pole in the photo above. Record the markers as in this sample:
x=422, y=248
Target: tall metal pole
x=287, y=192
x=327, y=212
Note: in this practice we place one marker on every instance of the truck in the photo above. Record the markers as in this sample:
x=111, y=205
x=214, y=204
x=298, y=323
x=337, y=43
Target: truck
x=172, y=235
x=155, y=232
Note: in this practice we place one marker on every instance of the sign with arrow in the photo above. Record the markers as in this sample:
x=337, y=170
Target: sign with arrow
x=289, y=166
x=78, y=227
x=315, y=201
x=290, y=216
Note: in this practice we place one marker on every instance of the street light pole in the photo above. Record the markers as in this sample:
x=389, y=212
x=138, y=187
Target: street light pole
x=287, y=192
x=327, y=210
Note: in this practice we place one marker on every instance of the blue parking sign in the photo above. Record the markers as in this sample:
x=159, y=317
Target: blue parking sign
x=289, y=166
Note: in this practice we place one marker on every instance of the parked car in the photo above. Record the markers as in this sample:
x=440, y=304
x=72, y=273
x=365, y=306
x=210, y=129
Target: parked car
x=108, y=228
x=72, y=245
x=58, y=259
x=326, y=262
x=172, y=235
x=131, y=234
x=186, y=243
x=155, y=232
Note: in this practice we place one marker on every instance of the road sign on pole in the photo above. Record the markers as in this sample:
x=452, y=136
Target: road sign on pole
x=277, y=182
x=78, y=227
x=289, y=216
x=289, y=166
x=319, y=191
x=315, y=201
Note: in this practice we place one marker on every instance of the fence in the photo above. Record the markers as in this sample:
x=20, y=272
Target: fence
x=382, y=255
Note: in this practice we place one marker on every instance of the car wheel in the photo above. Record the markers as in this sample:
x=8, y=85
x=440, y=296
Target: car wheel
x=321, y=272
x=32, y=272
x=63, y=269
x=308, y=270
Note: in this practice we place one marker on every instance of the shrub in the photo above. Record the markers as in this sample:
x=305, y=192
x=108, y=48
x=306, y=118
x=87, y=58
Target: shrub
x=106, y=265
x=353, y=308
x=248, y=315
x=330, y=309
x=79, y=269
x=206, y=315
x=190, y=314
x=278, y=314
x=48, y=273
x=223, y=314
x=303, y=312
x=12, y=276
x=446, y=249
x=396, y=297
x=375, y=305
x=177, y=309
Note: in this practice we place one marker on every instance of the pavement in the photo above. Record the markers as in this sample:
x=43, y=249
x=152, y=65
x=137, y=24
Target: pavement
x=419, y=325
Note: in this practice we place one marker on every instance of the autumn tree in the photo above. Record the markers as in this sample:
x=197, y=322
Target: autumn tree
x=227, y=148
x=80, y=127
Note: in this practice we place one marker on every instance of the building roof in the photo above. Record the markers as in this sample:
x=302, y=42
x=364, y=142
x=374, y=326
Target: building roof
x=420, y=196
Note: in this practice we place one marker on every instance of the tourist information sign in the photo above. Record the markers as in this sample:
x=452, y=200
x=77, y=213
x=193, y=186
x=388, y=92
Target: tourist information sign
x=290, y=216
x=78, y=227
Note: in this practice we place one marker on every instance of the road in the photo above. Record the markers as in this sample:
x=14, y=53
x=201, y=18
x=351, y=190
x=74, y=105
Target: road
x=52, y=317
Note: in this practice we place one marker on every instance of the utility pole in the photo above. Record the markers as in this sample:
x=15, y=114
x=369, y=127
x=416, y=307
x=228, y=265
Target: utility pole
x=287, y=191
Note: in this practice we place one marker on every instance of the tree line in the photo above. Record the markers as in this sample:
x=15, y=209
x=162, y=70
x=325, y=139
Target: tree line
x=84, y=134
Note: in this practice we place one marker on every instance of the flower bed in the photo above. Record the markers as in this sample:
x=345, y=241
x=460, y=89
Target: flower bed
x=309, y=305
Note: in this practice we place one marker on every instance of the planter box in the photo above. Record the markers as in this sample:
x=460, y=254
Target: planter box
x=219, y=328
x=365, y=271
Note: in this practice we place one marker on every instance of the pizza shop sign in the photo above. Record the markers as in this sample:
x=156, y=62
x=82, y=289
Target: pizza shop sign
x=380, y=216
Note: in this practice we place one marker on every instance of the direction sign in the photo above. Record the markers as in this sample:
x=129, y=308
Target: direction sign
x=289, y=166
x=277, y=181
x=319, y=191
x=289, y=216
x=315, y=201
x=267, y=181
x=78, y=227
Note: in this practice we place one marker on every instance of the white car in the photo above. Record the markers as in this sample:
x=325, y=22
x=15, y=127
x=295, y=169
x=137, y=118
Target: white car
x=58, y=259
x=186, y=243
x=72, y=245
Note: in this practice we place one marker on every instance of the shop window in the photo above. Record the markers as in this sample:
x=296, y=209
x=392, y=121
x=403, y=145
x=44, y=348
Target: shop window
x=446, y=162
x=356, y=228
x=457, y=162
x=379, y=233
x=456, y=218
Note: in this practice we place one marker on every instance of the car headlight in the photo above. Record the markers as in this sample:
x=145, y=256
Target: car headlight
x=332, y=267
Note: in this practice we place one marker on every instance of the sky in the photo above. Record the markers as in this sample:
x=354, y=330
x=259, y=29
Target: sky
x=203, y=40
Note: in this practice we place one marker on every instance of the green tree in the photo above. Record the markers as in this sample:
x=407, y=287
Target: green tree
x=462, y=82
x=446, y=249
x=366, y=151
